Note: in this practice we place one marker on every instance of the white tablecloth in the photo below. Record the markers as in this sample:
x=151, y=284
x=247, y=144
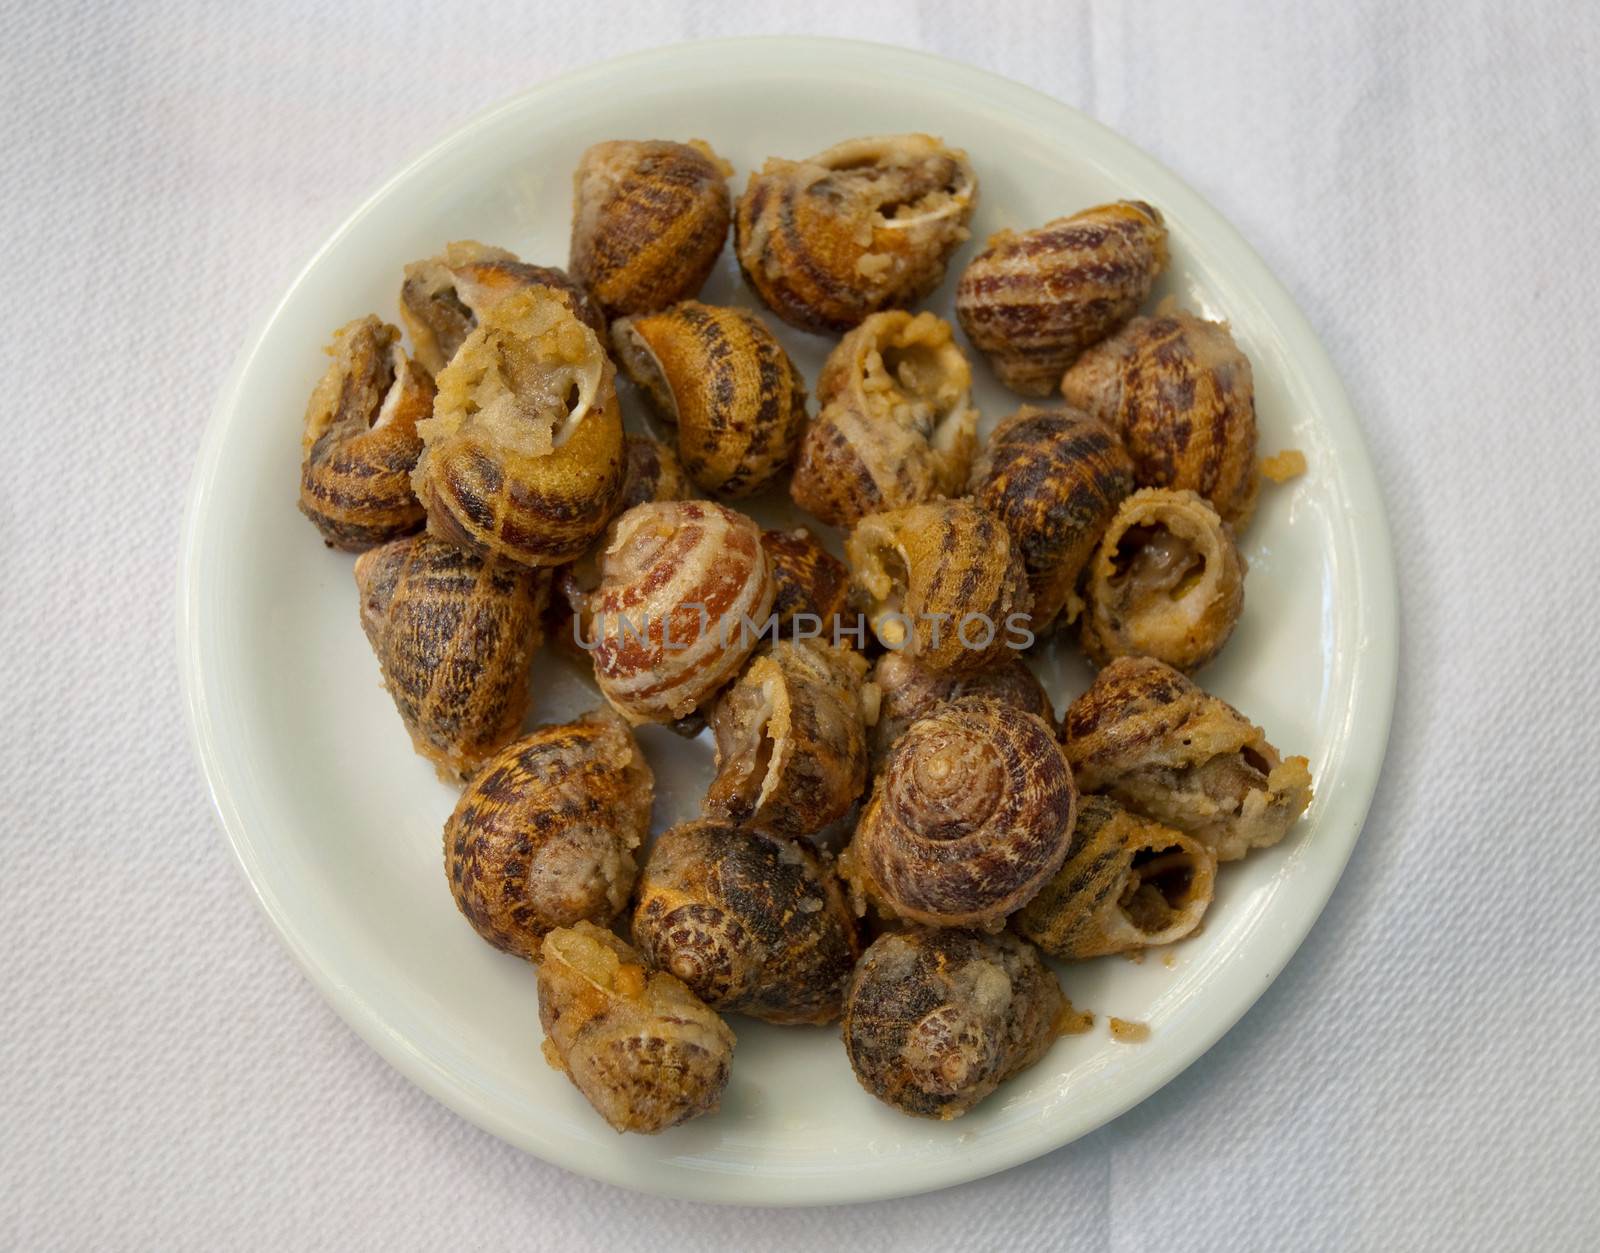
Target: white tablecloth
x=1427, y=1070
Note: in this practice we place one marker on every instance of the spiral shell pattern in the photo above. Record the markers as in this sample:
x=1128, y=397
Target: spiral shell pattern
x=361, y=440
x=906, y=691
x=752, y=923
x=1032, y=302
x=678, y=582
x=972, y=814
x=721, y=376
x=1182, y=396
x=807, y=579
x=454, y=635
x=1055, y=478
x=867, y=225
x=649, y=219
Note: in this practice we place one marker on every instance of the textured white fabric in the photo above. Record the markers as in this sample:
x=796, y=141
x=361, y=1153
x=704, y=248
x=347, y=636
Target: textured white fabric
x=1426, y=1073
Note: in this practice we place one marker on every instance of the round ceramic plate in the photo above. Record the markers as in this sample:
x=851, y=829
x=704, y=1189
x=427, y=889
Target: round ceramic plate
x=337, y=823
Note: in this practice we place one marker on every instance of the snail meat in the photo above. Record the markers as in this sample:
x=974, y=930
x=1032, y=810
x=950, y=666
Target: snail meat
x=906, y=691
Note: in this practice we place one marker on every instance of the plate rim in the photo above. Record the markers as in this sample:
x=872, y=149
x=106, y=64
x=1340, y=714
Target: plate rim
x=1374, y=677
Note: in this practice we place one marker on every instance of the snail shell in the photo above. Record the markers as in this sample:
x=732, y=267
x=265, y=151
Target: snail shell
x=897, y=425
x=737, y=399
x=649, y=219
x=455, y=635
x=942, y=581
x=1127, y=884
x=752, y=923
x=645, y=1051
x=791, y=740
x=1151, y=739
x=678, y=581
x=807, y=579
x=443, y=297
x=934, y=1021
x=1167, y=582
x=1182, y=396
x=361, y=439
x=971, y=816
x=544, y=834
x=1055, y=478
x=867, y=225
x=523, y=455
x=906, y=691
x=1032, y=302
x=651, y=471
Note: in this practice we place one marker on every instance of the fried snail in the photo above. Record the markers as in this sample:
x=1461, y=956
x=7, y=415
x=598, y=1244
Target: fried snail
x=1032, y=302
x=361, y=440
x=936, y=1020
x=455, y=635
x=1152, y=740
x=643, y=1049
x=942, y=582
x=1127, y=884
x=543, y=836
x=791, y=739
x=1055, y=478
x=807, y=579
x=651, y=471
x=753, y=923
x=867, y=225
x=1182, y=396
x=719, y=374
x=678, y=582
x=971, y=815
x=906, y=691
x=896, y=425
x=649, y=219
x=1167, y=582
x=442, y=298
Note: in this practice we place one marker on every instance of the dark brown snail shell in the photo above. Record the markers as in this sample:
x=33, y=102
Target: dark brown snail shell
x=906, y=691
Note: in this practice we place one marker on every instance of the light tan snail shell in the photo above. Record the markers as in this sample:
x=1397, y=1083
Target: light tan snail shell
x=935, y=1021
x=1127, y=884
x=455, y=635
x=645, y=1051
x=524, y=455
x=1182, y=396
x=718, y=373
x=970, y=817
x=649, y=219
x=543, y=836
x=897, y=425
x=867, y=225
x=1152, y=740
x=754, y=924
x=906, y=691
x=361, y=440
x=1167, y=582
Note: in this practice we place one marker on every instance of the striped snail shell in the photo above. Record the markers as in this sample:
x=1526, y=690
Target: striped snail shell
x=867, y=225
x=1167, y=582
x=791, y=739
x=1054, y=477
x=361, y=440
x=524, y=455
x=718, y=373
x=1154, y=741
x=752, y=923
x=935, y=1021
x=942, y=583
x=543, y=836
x=678, y=581
x=645, y=1051
x=443, y=297
x=649, y=219
x=651, y=471
x=1127, y=884
x=1182, y=396
x=1032, y=302
x=971, y=815
x=455, y=635
x=807, y=579
x=906, y=691
x=897, y=425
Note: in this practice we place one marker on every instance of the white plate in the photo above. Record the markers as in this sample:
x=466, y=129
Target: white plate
x=337, y=824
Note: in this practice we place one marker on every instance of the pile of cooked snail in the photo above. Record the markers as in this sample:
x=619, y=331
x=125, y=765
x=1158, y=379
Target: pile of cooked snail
x=900, y=830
